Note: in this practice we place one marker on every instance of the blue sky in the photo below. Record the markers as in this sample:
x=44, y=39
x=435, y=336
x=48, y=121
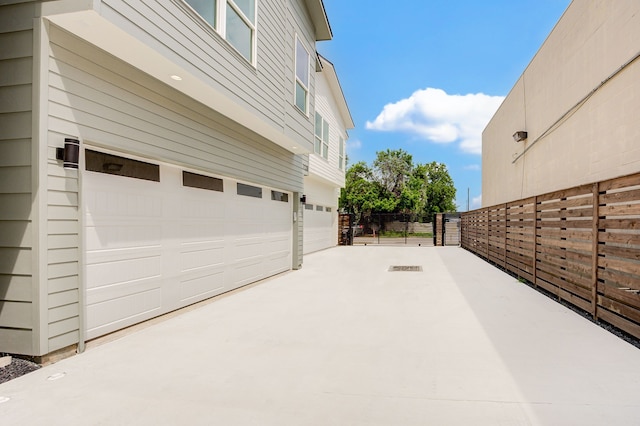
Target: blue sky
x=427, y=75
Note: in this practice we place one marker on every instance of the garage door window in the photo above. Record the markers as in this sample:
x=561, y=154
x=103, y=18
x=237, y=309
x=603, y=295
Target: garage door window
x=308, y=206
x=280, y=196
x=249, y=191
x=115, y=165
x=194, y=180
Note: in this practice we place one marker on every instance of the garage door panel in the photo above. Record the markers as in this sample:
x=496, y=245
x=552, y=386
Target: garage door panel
x=103, y=201
x=196, y=287
x=103, y=234
x=103, y=294
x=278, y=244
x=114, y=255
x=247, y=248
x=116, y=272
x=153, y=247
x=114, y=314
x=198, y=209
x=202, y=232
x=278, y=262
x=246, y=229
x=318, y=230
x=276, y=228
x=248, y=270
x=201, y=257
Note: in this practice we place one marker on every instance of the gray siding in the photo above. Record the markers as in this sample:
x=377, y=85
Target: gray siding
x=172, y=29
x=106, y=102
x=16, y=239
x=299, y=126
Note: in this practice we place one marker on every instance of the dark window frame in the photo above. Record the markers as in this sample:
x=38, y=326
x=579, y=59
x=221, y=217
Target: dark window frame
x=279, y=196
x=196, y=180
x=102, y=162
x=248, y=190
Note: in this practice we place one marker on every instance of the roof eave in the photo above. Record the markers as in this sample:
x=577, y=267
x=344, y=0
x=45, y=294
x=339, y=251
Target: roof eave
x=320, y=20
x=338, y=94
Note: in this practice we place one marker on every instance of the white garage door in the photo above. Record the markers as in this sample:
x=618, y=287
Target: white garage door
x=318, y=228
x=154, y=245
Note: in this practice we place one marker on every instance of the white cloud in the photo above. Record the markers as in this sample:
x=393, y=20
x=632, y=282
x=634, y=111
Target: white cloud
x=353, y=144
x=439, y=117
x=476, y=202
x=475, y=167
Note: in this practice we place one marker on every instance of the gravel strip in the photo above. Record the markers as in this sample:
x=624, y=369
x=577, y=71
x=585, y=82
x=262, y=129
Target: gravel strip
x=17, y=368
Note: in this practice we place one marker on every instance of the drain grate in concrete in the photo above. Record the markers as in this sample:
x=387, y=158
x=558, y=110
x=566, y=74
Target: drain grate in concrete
x=396, y=268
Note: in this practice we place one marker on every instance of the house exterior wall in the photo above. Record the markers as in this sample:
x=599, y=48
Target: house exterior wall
x=17, y=239
x=326, y=176
x=596, y=139
x=326, y=105
x=85, y=87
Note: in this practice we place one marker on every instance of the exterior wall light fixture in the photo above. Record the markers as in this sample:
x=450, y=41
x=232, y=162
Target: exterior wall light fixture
x=519, y=136
x=303, y=199
x=70, y=154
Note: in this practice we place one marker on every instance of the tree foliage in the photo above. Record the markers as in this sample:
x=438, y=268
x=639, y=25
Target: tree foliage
x=393, y=184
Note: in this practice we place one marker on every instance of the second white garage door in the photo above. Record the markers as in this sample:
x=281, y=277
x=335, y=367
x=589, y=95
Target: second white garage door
x=158, y=238
x=319, y=229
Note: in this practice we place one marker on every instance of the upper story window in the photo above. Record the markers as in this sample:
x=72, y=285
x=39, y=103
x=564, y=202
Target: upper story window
x=302, y=77
x=235, y=20
x=321, y=143
x=341, y=154
x=206, y=9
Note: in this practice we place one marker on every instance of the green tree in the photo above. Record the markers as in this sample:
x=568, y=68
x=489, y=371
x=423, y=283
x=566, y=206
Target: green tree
x=395, y=185
x=440, y=190
x=360, y=193
x=392, y=169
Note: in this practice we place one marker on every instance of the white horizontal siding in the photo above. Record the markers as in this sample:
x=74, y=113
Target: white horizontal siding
x=328, y=169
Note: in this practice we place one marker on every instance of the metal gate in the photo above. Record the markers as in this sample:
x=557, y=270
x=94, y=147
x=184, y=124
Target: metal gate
x=388, y=229
x=446, y=229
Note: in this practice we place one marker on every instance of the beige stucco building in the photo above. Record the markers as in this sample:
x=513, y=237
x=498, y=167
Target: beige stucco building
x=578, y=100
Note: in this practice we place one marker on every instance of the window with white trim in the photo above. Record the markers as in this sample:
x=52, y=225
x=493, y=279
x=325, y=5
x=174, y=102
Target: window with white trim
x=341, y=154
x=317, y=143
x=321, y=142
x=235, y=20
x=206, y=9
x=302, y=77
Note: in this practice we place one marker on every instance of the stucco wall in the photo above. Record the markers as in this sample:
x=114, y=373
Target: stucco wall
x=598, y=138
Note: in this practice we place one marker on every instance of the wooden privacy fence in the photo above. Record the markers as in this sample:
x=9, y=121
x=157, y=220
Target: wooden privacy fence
x=581, y=244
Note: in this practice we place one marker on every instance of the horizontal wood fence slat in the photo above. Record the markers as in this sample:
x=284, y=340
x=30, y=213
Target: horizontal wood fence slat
x=581, y=244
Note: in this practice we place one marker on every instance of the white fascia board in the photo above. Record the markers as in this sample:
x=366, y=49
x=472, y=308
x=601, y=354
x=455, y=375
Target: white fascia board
x=320, y=20
x=91, y=27
x=317, y=177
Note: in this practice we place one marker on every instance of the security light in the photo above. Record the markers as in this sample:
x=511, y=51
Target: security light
x=519, y=136
x=70, y=154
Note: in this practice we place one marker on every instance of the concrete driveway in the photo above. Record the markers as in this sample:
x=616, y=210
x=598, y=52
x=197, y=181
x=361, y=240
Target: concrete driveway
x=345, y=342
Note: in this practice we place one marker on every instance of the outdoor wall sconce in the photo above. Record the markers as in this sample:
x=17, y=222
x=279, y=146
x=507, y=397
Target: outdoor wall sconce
x=519, y=136
x=303, y=199
x=70, y=154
